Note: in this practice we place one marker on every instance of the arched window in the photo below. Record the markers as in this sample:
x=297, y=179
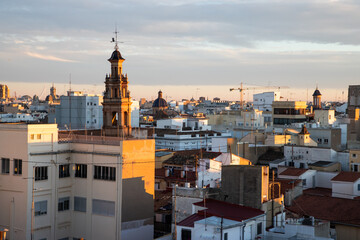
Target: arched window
x=126, y=120
x=114, y=119
x=116, y=93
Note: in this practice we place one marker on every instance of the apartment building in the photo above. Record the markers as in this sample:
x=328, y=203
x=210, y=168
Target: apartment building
x=179, y=134
x=263, y=101
x=63, y=186
x=288, y=112
x=77, y=110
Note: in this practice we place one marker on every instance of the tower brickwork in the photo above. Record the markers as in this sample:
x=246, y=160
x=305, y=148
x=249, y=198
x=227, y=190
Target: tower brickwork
x=117, y=101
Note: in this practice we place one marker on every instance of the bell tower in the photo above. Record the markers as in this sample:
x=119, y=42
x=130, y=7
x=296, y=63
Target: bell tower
x=317, y=99
x=117, y=101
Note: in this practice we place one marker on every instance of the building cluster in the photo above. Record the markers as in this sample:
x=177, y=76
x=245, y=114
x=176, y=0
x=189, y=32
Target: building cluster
x=106, y=166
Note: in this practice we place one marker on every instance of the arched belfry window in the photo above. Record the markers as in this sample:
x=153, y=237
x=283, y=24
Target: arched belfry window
x=126, y=120
x=114, y=119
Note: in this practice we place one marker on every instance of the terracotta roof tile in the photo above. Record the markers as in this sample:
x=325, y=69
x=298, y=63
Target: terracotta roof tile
x=221, y=209
x=340, y=210
x=346, y=177
x=228, y=210
x=293, y=172
x=175, y=174
x=188, y=157
x=285, y=185
x=189, y=221
x=319, y=191
x=162, y=199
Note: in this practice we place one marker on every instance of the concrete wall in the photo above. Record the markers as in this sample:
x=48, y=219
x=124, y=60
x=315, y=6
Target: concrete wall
x=347, y=232
x=14, y=193
x=245, y=185
x=78, y=112
x=323, y=179
x=342, y=189
x=293, y=194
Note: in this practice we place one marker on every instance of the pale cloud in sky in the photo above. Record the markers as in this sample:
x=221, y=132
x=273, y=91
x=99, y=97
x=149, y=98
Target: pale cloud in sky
x=183, y=42
x=47, y=57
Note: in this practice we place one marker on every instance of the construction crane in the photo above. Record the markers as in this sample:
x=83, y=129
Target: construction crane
x=241, y=90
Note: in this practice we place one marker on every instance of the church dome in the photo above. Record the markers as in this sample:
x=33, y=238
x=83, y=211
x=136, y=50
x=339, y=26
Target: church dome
x=116, y=55
x=160, y=102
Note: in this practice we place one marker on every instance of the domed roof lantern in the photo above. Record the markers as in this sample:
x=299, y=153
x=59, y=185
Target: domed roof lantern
x=116, y=56
x=160, y=102
x=316, y=92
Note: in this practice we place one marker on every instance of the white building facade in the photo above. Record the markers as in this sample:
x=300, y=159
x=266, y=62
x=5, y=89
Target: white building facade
x=263, y=101
x=75, y=188
x=78, y=111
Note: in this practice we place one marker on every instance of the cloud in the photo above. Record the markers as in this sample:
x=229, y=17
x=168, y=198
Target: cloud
x=48, y=57
x=184, y=41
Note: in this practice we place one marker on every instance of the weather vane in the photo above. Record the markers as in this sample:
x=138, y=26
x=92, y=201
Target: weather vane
x=115, y=40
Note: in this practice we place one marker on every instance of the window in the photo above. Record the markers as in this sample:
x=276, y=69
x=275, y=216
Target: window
x=32, y=136
x=326, y=140
x=354, y=155
x=81, y=170
x=102, y=207
x=185, y=234
x=5, y=165
x=302, y=165
x=319, y=140
x=358, y=187
x=225, y=236
x=304, y=182
x=63, y=204
x=104, y=173
x=17, y=166
x=66, y=238
x=64, y=171
x=38, y=136
x=259, y=228
x=41, y=173
x=40, y=208
x=80, y=204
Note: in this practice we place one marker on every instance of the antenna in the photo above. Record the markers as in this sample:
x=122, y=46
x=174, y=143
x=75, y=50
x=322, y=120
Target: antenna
x=70, y=101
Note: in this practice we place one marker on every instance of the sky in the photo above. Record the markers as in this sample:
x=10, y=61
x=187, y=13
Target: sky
x=186, y=48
